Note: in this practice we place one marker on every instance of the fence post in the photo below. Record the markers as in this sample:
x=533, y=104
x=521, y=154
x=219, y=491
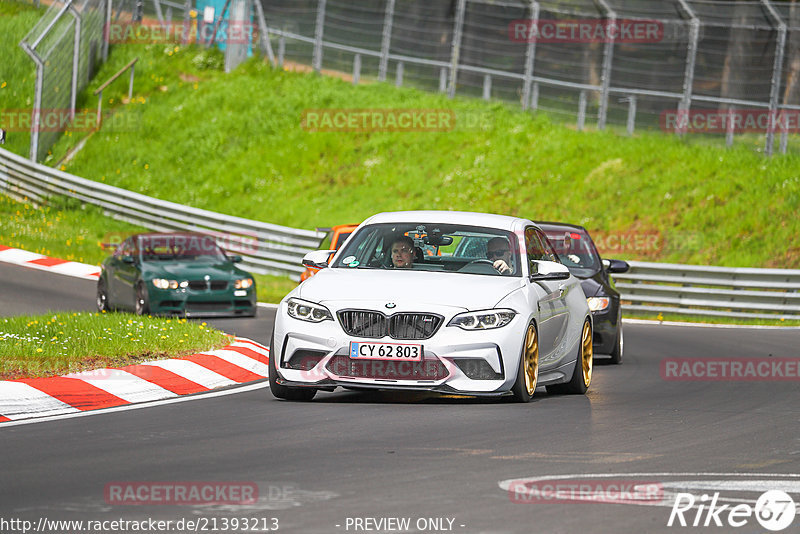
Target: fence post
x=37, y=101
x=356, y=68
x=535, y=97
x=780, y=45
x=442, y=80
x=608, y=57
x=530, y=54
x=487, y=87
x=76, y=58
x=281, y=50
x=263, y=29
x=398, y=77
x=631, y=114
x=729, y=127
x=386, y=40
x=458, y=27
x=688, y=75
x=316, y=61
x=581, y=110
x=107, y=29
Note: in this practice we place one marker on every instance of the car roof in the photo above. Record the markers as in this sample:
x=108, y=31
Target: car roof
x=491, y=220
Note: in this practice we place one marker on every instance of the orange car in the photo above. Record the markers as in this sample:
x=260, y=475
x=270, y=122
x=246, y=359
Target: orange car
x=339, y=235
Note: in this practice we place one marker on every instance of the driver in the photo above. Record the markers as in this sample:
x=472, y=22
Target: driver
x=402, y=250
x=498, y=251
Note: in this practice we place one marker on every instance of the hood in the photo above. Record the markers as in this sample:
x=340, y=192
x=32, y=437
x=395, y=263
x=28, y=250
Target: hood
x=407, y=289
x=192, y=271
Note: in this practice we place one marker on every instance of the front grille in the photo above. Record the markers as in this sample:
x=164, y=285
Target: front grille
x=477, y=369
x=207, y=306
x=343, y=365
x=202, y=285
x=374, y=324
x=363, y=323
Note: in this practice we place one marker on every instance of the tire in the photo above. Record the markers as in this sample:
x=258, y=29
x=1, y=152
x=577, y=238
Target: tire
x=582, y=375
x=142, y=304
x=280, y=391
x=102, y=296
x=616, y=353
x=528, y=370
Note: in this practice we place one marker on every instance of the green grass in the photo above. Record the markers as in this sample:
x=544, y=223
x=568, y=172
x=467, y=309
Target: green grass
x=59, y=343
x=234, y=144
x=17, y=70
x=688, y=318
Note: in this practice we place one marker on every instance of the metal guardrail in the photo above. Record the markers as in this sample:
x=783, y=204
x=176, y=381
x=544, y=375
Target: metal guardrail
x=269, y=248
x=714, y=291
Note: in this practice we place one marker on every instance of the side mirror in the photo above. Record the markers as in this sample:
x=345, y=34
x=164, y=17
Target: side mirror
x=317, y=259
x=549, y=270
x=235, y=258
x=128, y=259
x=616, y=266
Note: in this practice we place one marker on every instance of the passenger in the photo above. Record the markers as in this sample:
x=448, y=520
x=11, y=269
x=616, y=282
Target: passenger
x=403, y=252
x=498, y=251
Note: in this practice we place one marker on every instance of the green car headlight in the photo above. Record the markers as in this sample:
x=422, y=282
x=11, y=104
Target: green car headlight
x=483, y=320
x=243, y=283
x=163, y=283
x=308, y=311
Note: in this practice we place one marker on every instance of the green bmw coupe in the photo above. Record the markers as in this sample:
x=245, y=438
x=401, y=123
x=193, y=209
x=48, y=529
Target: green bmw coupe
x=184, y=274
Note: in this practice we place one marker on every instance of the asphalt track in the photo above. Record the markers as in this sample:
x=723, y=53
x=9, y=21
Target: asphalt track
x=348, y=456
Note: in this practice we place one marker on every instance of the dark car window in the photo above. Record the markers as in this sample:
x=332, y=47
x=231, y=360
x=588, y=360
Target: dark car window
x=448, y=248
x=180, y=248
x=575, y=249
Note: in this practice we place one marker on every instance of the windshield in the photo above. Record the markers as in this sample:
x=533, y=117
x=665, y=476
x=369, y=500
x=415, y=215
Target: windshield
x=425, y=246
x=195, y=248
x=575, y=249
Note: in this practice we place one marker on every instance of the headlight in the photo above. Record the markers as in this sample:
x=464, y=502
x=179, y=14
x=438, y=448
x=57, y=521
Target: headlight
x=163, y=283
x=308, y=311
x=243, y=283
x=482, y=320
x=597, y=303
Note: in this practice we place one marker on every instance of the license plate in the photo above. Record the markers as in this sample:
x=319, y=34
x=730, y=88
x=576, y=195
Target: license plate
x=385, y=351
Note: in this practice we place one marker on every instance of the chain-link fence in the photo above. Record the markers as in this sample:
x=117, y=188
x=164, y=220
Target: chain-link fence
x=717, y=68
x=66, y=45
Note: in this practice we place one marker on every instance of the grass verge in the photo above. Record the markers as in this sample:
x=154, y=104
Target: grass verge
x=58, y=343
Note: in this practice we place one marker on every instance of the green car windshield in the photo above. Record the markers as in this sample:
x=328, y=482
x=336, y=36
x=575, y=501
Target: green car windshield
x=180, y=247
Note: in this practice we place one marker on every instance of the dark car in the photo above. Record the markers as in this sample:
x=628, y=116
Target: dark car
x=175, y=274
x=577, y=251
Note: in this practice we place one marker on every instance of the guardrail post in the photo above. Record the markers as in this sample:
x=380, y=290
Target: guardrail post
x=316, y=61
x=458, y=28
x=356, y=68
x=688, y=75
x=535, y=97
x=386, y=40
x=530, y=55
x=608, y=57
x=398, y=77
x=729, y=127
x=631, y=114
x=442, y=80
x=281, y=50
x=107, y=29
x=581, y=110
x=487, y=87
x=263, y=29
x=780, y=46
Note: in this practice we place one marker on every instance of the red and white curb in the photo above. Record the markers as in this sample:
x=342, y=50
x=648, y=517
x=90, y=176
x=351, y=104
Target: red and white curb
x=39, y=261
x=240, y=362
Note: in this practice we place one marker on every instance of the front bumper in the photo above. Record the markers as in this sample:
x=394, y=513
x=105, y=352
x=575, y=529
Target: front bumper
x=205, y=303
x=454, y=360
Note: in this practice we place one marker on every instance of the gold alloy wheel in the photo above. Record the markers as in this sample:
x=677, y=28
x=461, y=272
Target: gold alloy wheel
x=530, y=365
x=586, y=353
